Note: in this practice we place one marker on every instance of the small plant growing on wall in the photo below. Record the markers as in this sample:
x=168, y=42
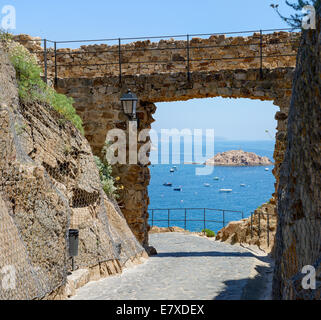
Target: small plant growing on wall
x=105, y=173
x=31, y=86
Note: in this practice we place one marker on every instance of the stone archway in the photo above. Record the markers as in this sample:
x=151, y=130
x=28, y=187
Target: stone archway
x=256, y=67
x=97, y=102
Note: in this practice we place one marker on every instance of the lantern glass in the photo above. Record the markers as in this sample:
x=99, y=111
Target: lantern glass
x=128, y=107
x=134, y=105
x=129, y=102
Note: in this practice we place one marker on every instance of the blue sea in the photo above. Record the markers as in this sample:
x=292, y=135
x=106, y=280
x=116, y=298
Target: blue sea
x=258, y=189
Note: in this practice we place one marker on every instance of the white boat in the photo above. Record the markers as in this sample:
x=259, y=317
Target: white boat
x=207, y=185
x=267, y=169
x=172, y=170
x=226, y=190
x=216, y=178
x=243, y=185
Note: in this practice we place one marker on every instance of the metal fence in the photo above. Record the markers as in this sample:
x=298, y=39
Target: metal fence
x=203, y=216
x=188, y=48
x=260, y=227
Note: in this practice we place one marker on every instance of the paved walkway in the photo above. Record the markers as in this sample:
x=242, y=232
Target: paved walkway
x=187, y=267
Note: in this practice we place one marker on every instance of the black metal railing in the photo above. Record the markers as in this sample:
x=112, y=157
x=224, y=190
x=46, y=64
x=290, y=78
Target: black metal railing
x=204, y=216
x=259, y=227
x=258, y=54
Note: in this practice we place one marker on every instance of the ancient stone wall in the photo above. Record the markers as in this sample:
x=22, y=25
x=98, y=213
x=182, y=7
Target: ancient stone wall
x=157, y=72
x=215, y=53
x=98, y=103
x=298, y=239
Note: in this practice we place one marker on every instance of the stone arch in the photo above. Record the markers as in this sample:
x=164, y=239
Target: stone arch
x=97, y=102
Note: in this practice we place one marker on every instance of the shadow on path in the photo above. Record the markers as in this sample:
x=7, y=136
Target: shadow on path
x=207, y=254
x=251, y=288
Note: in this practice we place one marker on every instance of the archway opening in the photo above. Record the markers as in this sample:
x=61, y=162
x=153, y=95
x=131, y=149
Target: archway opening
x=233, y=191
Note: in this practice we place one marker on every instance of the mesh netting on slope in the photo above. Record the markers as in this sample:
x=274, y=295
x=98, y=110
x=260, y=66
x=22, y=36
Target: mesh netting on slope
x=49, y=184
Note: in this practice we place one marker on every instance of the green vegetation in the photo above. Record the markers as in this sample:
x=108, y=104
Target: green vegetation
x=107, y=181
x=209, y=233
x=33, y=88
x=295, y=20
x=5, y=35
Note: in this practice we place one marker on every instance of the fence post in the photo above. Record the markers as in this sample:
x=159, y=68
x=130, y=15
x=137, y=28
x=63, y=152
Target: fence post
x=188, y=60
x=261, y=54
x=119, y=60
x=56, y=69
x=204, y=221
x=152, y=217
x=251, y=225
x=185, y=219
x=268, y=230
x=259, y=224
x=45, y=59
x=223, y=219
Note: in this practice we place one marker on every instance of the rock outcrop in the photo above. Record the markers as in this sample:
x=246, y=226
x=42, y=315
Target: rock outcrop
x=49, y=184
x=238, y=158
x=298, y=239
x=255, y=231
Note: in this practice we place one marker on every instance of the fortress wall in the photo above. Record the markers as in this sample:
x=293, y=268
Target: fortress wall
x=98, y=103
x=298, y=239
x=170, y=56
x=97, y=90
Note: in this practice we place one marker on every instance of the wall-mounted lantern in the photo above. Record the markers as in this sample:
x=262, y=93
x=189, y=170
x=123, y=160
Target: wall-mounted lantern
x=129, y=102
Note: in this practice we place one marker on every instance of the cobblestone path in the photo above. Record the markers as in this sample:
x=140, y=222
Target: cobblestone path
x=187, y=267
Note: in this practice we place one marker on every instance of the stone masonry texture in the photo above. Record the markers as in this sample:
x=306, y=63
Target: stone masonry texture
x=298, y=239
x=90, y=74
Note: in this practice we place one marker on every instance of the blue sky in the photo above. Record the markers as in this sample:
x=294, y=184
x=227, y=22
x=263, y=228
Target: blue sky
x=71, y=20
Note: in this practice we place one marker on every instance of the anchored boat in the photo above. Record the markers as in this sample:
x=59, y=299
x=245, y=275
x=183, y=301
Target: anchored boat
x=168, y=184
x=226, y=190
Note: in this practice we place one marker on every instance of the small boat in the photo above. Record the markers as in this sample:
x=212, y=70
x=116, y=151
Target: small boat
x=267, y=169
x=226, y=190
x=243, y=185
x=216, y=178
x=167, y=184
x=207, y=185
x=172, y=170
x=178, y=189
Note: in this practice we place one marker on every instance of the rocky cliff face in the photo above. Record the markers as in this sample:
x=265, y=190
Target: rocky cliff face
x=238, y=158
x=298, y=240
x=260, y=230
x=49, y=184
